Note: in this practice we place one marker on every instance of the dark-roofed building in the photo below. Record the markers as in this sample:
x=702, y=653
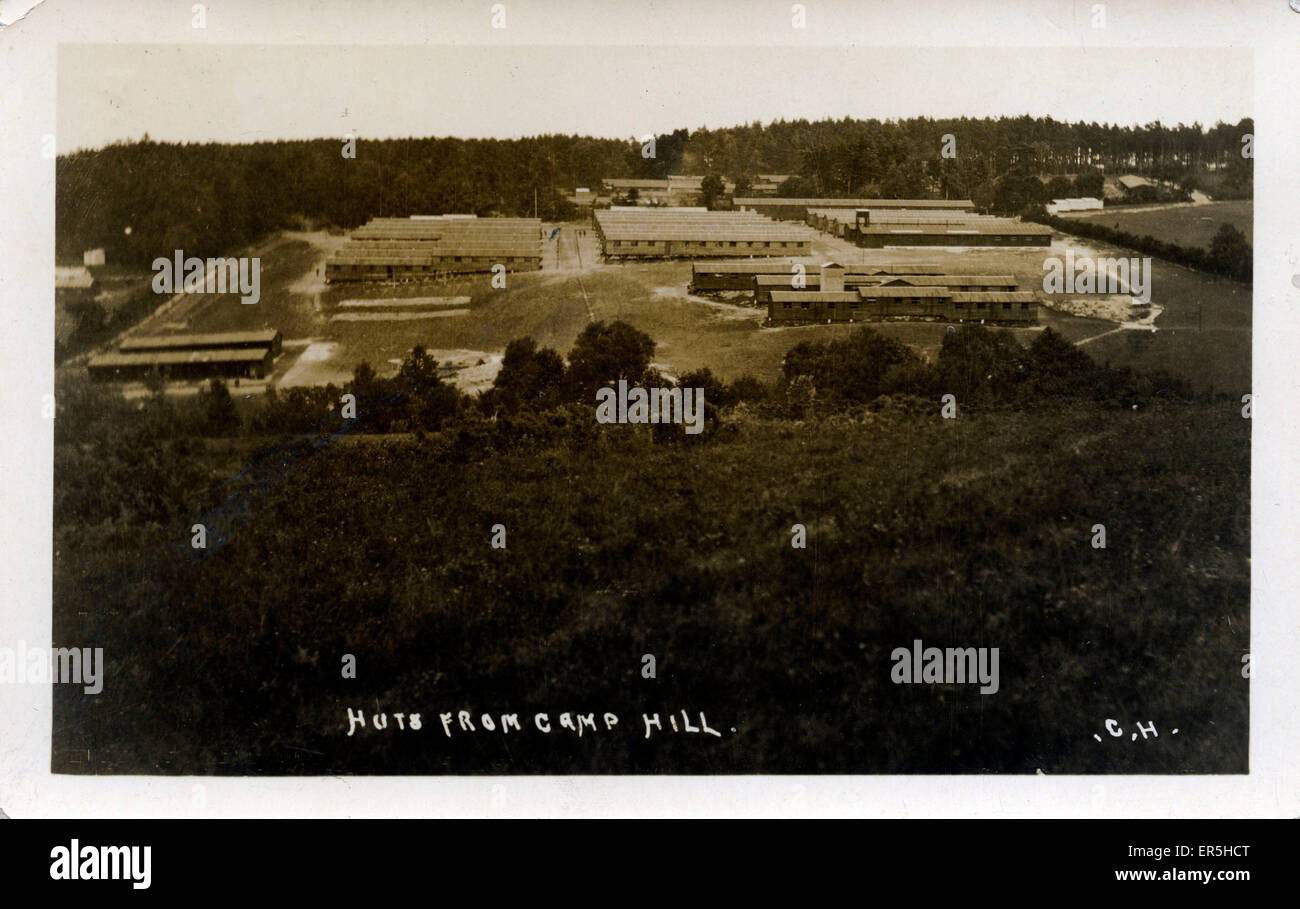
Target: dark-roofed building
x=918, y=303
x=996, y=306
x=266, y=338
x=868, y=303
x=876, y=228
x=712, y=275
x=990, y=232
x=761, y=275
x=814, y=306
x=234, y=354
x=1133, y=181
x=787, y=209
x=252, y=363
x=764, y=284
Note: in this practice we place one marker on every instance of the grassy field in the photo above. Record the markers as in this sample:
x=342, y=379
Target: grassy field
x=284, y=261
x=1186, y=225
x=974, y=532
x=1203, y=330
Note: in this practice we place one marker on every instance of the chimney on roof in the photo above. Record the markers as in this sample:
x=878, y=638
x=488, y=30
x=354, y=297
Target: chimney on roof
x=832, y=277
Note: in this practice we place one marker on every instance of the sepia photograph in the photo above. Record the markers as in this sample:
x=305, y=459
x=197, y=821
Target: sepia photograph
x=626, y=410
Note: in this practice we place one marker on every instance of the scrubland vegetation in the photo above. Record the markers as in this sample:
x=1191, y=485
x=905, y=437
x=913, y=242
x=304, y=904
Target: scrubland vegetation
x=370, y=536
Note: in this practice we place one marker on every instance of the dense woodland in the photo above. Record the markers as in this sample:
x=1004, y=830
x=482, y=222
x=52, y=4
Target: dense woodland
x=143, y=199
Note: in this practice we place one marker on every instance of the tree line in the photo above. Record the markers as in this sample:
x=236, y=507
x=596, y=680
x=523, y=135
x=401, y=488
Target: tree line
x=981, y=366
x=143, y=199
x=1229, y=253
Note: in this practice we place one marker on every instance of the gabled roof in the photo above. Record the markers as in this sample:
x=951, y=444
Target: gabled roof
x=953, y=280
x=140, y=343
x=927, y=292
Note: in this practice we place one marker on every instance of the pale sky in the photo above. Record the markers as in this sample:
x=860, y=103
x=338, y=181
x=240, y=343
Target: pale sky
x=245, y=93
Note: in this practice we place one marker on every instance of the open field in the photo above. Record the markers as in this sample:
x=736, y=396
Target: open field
x=1187, y=225
x=1203, y=330
x=329, y=330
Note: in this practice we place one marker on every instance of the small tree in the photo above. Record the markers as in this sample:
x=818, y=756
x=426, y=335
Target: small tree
x=799, y=395
x=711, y=190
x=979, y=364
x=715, y=392
x=1060, y=188
x=605, y=353
x=1231, y=252
x=217, y=409
x=528, y=377
x=797, y=187
x=428, y=400
x=1058, y=367
x=1090, y=183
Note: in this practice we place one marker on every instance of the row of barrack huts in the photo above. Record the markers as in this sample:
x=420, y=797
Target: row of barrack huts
x=878, y=223
x=761, y=227
x=673, y=233
x=830, y=292
x=429, y=246
x=878, y=228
